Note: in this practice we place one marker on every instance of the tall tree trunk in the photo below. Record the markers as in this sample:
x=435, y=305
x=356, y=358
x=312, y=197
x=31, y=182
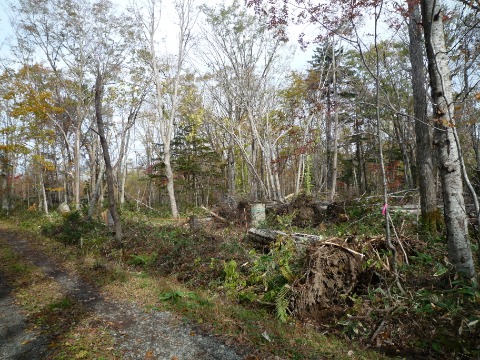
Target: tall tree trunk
x=360, y=159
x=166, y=122
x=475, y=136
x=112, y=205
x=170, y=183
x=333, y=169
x=459, y=249
x=328, y=141
x=43, y=193
x=96, y=191
x=276, y=179
x=231, y=172
x=124, y=144
x=400, y=133
x=253, y=175
x=122, y=167
x=11, y=186
x=423, y=130
x=76, y=159
x=385, y=211
x=65, y=176
x=300, y=173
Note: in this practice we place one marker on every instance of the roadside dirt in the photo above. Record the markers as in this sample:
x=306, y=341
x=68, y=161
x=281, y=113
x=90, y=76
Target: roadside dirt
x=137, y=333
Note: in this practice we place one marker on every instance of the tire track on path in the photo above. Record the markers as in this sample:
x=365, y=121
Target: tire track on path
x=137, y=334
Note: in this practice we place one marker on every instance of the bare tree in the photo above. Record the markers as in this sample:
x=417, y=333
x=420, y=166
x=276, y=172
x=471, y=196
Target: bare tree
x=166, y=117
x=112, y=204
x=112, y=43
x=241, y=55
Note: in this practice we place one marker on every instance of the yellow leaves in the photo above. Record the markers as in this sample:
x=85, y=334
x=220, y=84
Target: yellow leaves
x=55, y=189
x=46, y=164
x=195, y=120
x=31, y=92
x=14, y=148
x=39, y=104
x=477, y=96
x=9, y=95
x=443, y=121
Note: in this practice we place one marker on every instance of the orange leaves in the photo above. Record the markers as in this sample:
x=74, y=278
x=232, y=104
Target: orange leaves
x=442, y=121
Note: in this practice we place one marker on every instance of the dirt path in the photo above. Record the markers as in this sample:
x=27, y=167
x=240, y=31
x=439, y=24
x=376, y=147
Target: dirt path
x=136, y=333
x=16, y=342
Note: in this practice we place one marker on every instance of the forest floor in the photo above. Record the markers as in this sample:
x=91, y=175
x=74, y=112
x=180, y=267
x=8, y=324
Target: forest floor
x=62, y=302
x=172, y=293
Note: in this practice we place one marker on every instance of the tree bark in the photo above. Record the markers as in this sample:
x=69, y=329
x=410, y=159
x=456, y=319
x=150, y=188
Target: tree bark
x=334, y=164
x=76, y=181
x=402, y=139
x=112, y=205
x=43, y=192
x=96, y=191
x=459, y=249
x=231, y=182
x=423, y=130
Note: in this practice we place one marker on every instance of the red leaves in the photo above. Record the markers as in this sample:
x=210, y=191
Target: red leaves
x=331, y=16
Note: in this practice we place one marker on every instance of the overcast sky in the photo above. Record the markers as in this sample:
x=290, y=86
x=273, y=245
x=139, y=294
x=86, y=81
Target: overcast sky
x=299, y=59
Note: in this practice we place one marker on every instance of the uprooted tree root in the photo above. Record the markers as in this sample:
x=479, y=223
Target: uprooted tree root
x=332, y=272
x=336, y=268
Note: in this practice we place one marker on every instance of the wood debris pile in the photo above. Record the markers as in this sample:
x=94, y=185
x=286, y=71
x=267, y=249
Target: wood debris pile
x=333, y=270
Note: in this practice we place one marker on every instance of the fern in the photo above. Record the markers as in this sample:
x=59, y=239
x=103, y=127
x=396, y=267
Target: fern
x=143, y=259
x=281, y=303
x=233, y=279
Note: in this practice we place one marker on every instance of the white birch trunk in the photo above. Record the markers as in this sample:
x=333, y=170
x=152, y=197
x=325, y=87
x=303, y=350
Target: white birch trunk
x=333, y=185
x=459, y=249
x=231, y=172
x=76, y=159
x=300, y=171
x=44, y=194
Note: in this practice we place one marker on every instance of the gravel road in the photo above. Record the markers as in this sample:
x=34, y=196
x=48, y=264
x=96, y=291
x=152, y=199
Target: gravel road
x=137, y=333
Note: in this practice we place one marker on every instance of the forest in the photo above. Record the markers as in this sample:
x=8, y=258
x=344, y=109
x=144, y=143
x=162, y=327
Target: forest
x=145, y=132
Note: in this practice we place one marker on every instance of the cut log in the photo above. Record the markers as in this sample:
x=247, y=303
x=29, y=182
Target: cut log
x=196, y=223
x=265, y=237
x=262, y=236
x=216, y=216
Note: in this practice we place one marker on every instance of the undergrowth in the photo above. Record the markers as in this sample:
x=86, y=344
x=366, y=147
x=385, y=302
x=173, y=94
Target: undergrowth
x=438, y=315
x=265, y=278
